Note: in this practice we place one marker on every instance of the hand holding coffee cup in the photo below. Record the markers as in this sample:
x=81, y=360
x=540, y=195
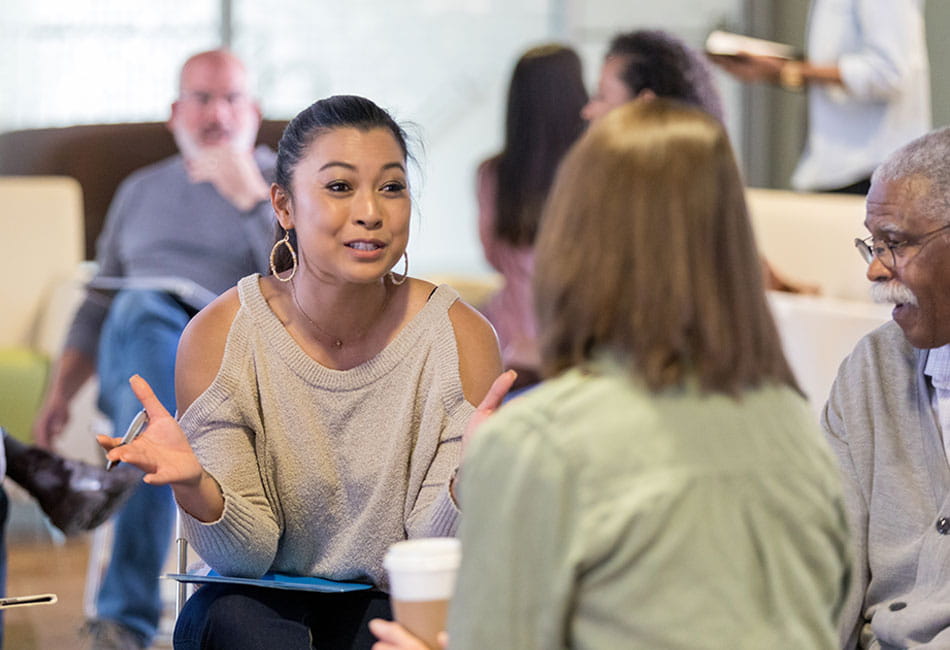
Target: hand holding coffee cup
x=390, y=635
x=421, y=581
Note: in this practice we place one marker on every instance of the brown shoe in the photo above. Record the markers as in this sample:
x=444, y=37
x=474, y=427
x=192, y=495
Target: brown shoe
x=76, y=496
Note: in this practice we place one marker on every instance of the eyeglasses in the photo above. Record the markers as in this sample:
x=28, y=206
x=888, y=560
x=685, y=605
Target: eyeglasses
x=889, y=252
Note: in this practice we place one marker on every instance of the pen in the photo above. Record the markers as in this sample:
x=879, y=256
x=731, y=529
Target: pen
x=16, y=601
x=139, y=422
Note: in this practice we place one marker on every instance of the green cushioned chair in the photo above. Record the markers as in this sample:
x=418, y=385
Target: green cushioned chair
x=23, y=376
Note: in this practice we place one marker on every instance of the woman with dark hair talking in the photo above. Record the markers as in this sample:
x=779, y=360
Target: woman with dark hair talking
x=666, y=485
x=323, y=405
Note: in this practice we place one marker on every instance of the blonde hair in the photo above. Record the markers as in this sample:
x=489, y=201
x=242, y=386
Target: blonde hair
x=646, y=253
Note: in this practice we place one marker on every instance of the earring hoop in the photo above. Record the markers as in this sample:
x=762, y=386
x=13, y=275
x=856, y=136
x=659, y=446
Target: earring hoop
x=399, y=279
x=293, y=256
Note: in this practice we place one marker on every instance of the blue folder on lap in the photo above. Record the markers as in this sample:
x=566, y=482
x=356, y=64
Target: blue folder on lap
x=275, y=581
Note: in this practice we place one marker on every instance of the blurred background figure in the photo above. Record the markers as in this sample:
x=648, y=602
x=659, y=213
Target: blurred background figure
x=868, y=81
x=543, y=119
x=202, y=218
x=666, y=485
x=652, y=63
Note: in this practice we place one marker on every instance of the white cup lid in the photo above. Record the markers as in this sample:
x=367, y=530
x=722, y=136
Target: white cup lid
x=424, y=554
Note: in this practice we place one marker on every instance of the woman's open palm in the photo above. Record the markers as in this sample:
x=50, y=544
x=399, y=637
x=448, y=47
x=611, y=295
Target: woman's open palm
x=161, y=451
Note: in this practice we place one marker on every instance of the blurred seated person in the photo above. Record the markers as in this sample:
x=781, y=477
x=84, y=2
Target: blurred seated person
x=665, y=486
x=654, y=63
x=202, y=218
x=323, y=405
x=545, y=96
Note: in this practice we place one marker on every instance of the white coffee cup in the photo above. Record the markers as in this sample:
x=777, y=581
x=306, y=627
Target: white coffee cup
x=421, y=581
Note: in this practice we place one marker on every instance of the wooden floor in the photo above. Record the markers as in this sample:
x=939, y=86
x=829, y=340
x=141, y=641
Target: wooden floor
x=39, y=567
x=40, y=561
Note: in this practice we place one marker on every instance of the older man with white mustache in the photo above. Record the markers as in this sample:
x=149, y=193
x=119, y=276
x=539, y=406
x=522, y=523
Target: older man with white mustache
x=888, y=415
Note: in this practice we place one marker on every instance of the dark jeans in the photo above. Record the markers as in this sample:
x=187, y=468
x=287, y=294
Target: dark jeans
x=140, y=335
x=239, y=617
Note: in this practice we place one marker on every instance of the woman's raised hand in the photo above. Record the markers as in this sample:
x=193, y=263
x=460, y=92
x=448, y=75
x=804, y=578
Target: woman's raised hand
x=162, y=451
x=488, y=405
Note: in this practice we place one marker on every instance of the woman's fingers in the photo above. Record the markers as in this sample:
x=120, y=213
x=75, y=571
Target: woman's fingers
x=393, y=636
x=491, y=402
x=147, y=397
x=499, y=388
x=107, y=442
x=115, y=450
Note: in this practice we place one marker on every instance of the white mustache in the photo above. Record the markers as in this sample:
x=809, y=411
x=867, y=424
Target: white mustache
x=892, y=291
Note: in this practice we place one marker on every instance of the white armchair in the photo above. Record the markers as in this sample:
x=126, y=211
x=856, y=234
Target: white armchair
x=41, y=275
x=40, y=248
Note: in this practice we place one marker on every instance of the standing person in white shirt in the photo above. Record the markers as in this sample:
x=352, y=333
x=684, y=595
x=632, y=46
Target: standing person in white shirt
x=868, y=82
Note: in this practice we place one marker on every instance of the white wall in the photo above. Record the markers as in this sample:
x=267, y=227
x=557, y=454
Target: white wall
x=443, y=64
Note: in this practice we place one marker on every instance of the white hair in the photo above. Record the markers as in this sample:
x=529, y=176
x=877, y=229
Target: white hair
x=892, y=292
x=927, y=158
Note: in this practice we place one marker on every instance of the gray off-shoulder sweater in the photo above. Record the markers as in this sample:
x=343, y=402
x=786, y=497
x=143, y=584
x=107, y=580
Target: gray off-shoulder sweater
x=323, y=469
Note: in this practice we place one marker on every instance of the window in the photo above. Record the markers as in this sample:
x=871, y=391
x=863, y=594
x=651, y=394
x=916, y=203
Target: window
x=77, y=61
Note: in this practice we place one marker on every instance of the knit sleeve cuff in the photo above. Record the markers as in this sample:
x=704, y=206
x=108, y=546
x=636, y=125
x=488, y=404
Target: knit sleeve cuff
x=444, y=515
x=238, y=543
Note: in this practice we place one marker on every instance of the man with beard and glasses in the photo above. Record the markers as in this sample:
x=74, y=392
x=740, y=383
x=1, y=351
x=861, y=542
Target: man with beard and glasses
x=888, y=416
x=178, y=232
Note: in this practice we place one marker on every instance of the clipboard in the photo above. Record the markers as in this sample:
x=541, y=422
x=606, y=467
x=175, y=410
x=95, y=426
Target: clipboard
x=722, y=43
x=274, y=581
x=189, y=292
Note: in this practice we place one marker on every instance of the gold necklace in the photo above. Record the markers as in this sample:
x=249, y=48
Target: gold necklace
x=336, y=340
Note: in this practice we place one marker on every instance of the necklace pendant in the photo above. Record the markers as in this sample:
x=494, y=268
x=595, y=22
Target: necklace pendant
x=338, y=343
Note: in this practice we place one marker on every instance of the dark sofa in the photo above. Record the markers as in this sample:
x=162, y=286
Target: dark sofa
x=99, y=156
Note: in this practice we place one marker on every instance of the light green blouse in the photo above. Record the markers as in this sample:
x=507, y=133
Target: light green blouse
x=599, y=515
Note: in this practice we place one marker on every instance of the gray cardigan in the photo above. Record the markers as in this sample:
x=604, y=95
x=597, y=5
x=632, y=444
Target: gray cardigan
x=896, y=477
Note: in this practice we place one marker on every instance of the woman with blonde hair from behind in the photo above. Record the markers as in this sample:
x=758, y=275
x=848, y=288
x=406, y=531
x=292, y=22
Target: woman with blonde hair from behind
x=665, y=486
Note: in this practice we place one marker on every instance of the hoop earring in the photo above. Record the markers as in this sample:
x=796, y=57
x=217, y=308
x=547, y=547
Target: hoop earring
x=293, y=256
x=396, y=279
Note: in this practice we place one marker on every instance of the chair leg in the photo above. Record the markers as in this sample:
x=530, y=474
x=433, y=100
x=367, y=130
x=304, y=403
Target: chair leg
x=99, y=552
x=181, y=548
